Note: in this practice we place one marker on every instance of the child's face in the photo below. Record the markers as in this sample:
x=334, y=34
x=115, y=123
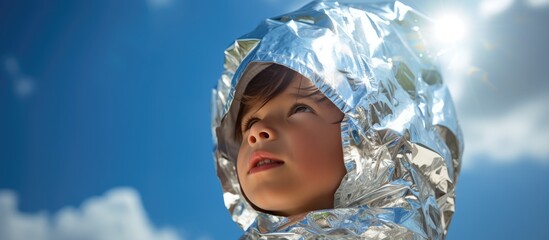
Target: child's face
x=301, y=137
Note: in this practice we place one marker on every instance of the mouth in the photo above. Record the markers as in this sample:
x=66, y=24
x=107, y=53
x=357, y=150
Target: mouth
x=261, y=161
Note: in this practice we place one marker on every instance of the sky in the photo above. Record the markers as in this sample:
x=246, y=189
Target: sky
x=105, y=116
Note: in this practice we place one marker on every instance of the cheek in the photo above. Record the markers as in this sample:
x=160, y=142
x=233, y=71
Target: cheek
x=241, y=164
x=313, y=147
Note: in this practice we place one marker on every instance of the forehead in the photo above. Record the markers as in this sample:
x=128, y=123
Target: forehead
x=299, y=87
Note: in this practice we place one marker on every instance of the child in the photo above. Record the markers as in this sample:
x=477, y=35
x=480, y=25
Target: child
x=333, y=122
x=290, y=160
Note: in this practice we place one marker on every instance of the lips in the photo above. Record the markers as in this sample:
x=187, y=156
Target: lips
x=261, y=161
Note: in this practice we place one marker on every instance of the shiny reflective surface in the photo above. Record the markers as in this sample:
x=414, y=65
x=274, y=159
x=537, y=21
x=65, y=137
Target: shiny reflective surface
x=402, y=144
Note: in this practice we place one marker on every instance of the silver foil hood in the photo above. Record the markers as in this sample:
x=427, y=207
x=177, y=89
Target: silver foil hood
x=402, y=144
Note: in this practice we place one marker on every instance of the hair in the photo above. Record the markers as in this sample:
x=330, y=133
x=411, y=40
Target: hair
x=263, y=87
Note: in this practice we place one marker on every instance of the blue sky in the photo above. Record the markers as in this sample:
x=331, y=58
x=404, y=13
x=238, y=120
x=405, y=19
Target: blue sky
x=106, y=104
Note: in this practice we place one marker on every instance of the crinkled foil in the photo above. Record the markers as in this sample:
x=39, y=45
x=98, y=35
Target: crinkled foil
x=402, y=144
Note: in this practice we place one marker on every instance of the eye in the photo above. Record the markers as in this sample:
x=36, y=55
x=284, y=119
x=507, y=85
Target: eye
x=302, y=108
x=249, y=123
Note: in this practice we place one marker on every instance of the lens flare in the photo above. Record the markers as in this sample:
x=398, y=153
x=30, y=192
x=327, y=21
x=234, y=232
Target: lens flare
x=450, y=29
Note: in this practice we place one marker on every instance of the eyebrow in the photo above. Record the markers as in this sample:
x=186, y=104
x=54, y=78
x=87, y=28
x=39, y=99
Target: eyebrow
x=310, y=93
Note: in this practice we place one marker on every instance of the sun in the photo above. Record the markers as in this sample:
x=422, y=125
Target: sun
x=450, y=29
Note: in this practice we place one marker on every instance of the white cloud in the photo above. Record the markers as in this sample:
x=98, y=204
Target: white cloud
x=489, y=8
x=19, y=226
x=117, y=215
x=538, y=3
x=521, y=132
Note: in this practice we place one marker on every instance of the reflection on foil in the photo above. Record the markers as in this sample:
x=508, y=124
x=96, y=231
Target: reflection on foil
x=402, y=144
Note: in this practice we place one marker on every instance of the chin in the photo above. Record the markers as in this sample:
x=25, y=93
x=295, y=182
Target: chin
x=279, y=208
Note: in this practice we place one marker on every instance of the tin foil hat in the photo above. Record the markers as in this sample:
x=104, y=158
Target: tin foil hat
x=402, y=144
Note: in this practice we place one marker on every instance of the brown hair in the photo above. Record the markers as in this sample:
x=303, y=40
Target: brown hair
x=263, y=87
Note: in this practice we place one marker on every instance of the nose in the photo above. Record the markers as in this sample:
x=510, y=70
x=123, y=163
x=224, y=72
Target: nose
x=260, y=132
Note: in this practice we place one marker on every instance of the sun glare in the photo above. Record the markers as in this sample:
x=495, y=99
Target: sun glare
x=450, y=29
